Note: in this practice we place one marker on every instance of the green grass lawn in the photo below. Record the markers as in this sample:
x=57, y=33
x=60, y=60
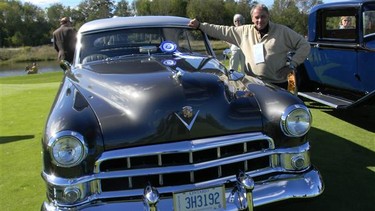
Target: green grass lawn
x=24, y=105
x=343, y=148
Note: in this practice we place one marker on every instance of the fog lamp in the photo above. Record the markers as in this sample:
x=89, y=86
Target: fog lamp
x=298, y=162
x=295, y=161
x=72, y=194
x=66, y=194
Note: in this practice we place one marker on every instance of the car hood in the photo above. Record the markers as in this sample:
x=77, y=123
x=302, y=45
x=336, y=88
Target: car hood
x=149, y=101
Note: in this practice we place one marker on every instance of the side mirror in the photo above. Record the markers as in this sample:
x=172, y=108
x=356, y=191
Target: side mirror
x=65, y=65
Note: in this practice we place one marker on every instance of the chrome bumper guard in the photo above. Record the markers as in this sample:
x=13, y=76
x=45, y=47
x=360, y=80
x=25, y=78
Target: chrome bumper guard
x=281, y=187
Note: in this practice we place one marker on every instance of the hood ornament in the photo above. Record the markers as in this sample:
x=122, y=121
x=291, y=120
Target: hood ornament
x=187, y=112
x=178, y=73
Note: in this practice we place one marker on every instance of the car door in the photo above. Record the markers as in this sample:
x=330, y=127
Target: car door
x=334, y=54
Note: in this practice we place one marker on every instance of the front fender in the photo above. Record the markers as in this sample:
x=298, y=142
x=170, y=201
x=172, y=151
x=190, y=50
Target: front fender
x=273, y=102
x=71, y=112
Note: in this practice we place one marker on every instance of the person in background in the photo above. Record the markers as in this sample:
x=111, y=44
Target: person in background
x=32, y=70
x=64, y=40
x=265, y=45
x=237, y=58
x=345, y=22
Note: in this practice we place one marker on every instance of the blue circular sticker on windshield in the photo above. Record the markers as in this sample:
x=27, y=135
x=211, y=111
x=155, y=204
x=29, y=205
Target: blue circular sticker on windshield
x=168, y=46
x=169, y=62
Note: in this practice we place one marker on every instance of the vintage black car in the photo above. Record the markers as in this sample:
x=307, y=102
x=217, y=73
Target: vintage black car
x=147, y=118
x=340, y=70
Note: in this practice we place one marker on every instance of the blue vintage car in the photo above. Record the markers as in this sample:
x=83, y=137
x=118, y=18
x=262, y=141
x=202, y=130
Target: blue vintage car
x=340, y=70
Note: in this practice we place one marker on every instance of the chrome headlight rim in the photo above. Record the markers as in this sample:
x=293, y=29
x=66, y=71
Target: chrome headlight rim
x=285, y=117
x=77, y=139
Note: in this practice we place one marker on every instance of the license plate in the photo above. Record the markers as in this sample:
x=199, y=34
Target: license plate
x=199, y=200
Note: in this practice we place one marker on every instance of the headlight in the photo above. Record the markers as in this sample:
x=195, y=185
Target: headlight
x=67, y=148
x=296, y=121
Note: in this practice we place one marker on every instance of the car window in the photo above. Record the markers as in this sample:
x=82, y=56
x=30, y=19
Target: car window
x=126, y=42
x=369, y=21
x=339, y=25
x=128, y=38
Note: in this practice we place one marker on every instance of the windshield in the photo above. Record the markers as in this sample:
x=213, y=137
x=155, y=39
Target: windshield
x=142, y=41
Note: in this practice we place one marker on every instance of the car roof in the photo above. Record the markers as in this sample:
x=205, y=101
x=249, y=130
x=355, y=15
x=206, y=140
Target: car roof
x=134, y=21
x=349, y=3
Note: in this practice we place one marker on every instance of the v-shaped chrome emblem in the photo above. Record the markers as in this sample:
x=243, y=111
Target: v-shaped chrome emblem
x=187, y=112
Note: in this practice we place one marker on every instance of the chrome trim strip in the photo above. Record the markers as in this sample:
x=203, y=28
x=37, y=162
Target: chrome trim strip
x=183, y=146
x=327, y=44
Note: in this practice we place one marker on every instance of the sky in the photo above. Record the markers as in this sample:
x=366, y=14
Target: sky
x=47, y=3
x=73, y=3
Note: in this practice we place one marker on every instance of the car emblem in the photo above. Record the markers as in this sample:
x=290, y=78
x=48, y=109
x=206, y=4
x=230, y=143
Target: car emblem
x=187, y=112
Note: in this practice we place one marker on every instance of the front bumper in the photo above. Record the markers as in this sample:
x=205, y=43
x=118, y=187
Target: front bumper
x=281, y=187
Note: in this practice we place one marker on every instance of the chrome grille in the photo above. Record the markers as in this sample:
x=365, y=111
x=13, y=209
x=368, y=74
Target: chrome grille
x=182, y=163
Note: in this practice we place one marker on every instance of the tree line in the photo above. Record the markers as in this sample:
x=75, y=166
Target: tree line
x=25, y=24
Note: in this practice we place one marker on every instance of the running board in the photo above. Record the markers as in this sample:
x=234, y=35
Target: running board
x=328, y=100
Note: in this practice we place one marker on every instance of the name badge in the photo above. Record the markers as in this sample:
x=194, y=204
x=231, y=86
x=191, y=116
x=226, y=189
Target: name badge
x=258, y=53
